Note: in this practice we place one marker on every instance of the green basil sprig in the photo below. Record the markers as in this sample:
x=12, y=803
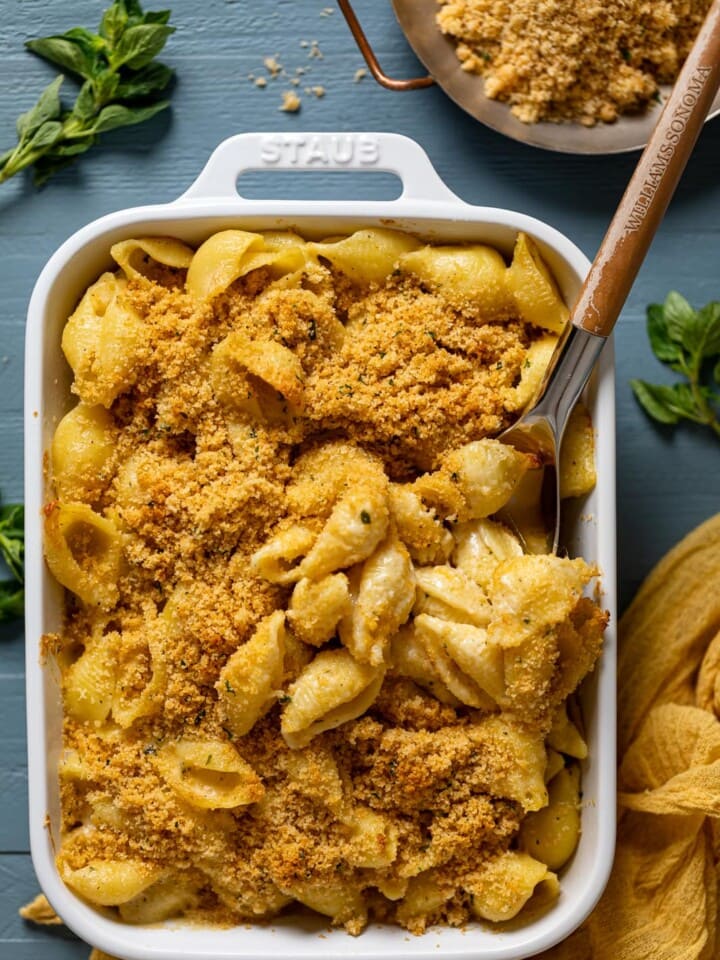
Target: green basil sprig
x=12, y=550
x=688, y=341
x=121, y=86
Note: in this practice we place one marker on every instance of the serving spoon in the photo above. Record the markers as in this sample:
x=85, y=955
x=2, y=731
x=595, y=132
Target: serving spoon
x=535, y=511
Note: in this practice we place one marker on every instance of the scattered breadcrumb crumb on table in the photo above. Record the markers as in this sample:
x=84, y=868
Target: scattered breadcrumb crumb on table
x=360, y=74
x=260, y=82
x=273, y=66
x=40, y=911
x=318, y=91
x=315, y=51
x=291, y=102
x=327, y=11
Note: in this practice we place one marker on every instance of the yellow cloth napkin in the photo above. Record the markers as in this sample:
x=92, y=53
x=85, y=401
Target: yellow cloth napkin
x=662, y=899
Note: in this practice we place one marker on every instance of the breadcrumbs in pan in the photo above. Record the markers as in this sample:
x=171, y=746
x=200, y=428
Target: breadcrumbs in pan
x=582, y=60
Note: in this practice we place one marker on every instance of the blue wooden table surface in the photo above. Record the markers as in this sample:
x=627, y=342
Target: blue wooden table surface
x=667, y=480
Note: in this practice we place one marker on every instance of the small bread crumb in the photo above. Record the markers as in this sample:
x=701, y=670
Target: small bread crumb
x=39, y=911
x=360, y=75
x=315, y=51
x=273, y=66
x=327, y=11
x=260, y=82
x=318, y=91
x=291, y=102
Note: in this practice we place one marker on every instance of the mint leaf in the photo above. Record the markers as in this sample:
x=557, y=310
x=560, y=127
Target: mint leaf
x=663, y=347
x=12, y=539
x=709, y=318
x=683, y=338
x=12, y=600
x=678, y=314
x=653, y=401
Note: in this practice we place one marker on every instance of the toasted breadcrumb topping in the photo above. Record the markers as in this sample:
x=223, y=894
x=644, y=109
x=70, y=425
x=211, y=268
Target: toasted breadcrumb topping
x=411, y=377
x=581, y=60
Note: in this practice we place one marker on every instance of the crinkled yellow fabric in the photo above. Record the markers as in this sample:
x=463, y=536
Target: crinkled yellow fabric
x=662, y=899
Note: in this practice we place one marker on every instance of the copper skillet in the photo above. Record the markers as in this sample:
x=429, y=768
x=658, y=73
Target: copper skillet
x=437, y=53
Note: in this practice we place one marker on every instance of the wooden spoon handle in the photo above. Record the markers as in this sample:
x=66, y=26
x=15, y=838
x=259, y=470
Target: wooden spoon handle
x=652, y=185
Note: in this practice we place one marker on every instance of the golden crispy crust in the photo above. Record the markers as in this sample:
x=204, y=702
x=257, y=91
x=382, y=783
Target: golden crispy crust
x=402, y=374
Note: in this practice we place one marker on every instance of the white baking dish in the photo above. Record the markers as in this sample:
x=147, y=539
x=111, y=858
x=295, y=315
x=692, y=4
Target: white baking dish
x=427, y=208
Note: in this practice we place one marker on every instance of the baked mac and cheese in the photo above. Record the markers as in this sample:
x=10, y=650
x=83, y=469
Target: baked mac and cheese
x=303, y=661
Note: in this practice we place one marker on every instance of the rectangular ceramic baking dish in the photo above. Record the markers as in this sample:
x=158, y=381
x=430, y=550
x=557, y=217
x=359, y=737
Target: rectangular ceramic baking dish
x=426, y=207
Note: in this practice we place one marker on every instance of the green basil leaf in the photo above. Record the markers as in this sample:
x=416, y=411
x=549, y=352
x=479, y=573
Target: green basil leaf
x=106, y=84
x=139, y=45
x=151, y=79
x=114, y=116
x=653, y=401
x=46, y=135
x=72, y=55
x=89, y=41
x=132, y=8
x=113, y=23
x=678, y=315
x=662, y=346
x=157, y=16
x=12, y=600
x=47, y=108
x=709, y=317
x=84, y=107
x=70, y=149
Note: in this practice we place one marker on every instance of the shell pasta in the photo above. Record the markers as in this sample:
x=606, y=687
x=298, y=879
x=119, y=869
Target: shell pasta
x=304, y=662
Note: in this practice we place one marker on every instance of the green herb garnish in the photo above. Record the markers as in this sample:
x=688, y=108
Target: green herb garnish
x=12, y=550
x=121, y=87
x=686, y=340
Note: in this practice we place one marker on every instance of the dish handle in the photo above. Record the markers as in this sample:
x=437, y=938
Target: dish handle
x=375, y=152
